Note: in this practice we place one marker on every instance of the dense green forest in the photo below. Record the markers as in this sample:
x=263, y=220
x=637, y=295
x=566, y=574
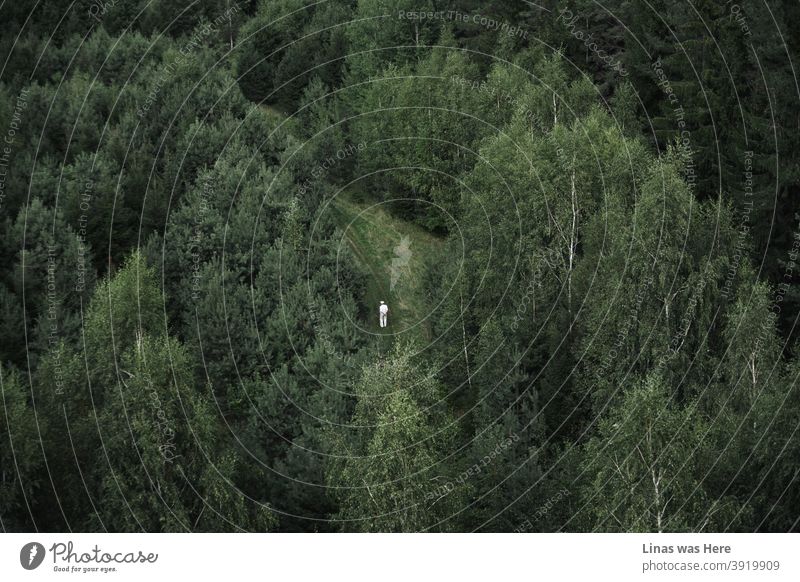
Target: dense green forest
x=584, y=217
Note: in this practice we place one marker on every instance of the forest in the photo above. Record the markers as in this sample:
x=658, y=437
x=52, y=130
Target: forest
x=584, y=218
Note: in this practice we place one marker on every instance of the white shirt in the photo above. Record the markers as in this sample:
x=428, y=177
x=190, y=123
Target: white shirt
x=384, y=309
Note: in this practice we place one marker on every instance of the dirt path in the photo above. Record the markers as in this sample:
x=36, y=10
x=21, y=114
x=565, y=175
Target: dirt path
x=394, y=252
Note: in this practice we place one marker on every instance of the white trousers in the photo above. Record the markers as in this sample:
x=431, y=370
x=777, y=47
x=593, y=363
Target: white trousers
x=383, y=319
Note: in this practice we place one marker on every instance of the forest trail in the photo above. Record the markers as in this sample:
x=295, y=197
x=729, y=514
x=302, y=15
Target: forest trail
x=394, y=253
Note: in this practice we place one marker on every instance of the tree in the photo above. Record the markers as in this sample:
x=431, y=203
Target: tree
x=384, y=32
x=646, y=464
x=392, y=470
x=166, y=467
x=20, y=455
x=263, y=42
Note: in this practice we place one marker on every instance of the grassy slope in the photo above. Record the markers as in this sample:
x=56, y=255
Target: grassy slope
x=376, y=239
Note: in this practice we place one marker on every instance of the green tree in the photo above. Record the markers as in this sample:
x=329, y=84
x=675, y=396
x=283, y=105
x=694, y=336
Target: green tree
x=646, y=467
x=392, y=473
x=20, y=455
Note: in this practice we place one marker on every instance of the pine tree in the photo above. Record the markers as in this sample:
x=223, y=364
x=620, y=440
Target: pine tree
x=20, y=455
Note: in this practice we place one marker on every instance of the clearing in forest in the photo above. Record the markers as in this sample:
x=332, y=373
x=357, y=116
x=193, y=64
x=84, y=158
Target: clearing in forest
x=394, y=253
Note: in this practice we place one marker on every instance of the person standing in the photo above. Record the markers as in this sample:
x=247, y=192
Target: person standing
x=383, y=312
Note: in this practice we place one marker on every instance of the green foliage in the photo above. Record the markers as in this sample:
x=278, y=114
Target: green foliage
x=202, y=207
x=389, y=473
x=646, y=464
x=286, y=44
x=20, y=455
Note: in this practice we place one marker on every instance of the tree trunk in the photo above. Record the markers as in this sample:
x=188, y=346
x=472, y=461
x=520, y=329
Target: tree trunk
x=464, y=336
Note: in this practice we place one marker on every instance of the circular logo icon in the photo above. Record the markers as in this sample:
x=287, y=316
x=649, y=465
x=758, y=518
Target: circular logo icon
x=31, y=555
